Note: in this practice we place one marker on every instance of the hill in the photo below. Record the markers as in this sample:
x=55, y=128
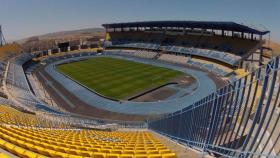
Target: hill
x=49, y=40
x=89, y=32
x=275, y=47
x=9, y=50
x=67, y=35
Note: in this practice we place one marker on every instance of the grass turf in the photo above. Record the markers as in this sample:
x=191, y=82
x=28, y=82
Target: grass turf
x=117, y=78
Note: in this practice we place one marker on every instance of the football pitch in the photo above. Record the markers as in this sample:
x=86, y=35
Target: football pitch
x=117, y=78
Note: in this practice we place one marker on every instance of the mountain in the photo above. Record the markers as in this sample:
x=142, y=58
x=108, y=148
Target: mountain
x=67, y=35
x=9, y=50
x=74, y=33
x=274, y=46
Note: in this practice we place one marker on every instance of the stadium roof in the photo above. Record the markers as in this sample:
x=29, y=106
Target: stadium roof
x=227, y=26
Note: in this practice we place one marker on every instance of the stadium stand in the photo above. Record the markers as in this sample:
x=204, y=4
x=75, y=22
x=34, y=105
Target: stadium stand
x=229, y=45
x=173, y=58
x=243, y=116
x=37, y=88
x=139, y=53
x=25, y=135
x=216, y=55
x=2, y=73
x=210, y=66
x=150, y=46
x=145, y=54
x=18, y=85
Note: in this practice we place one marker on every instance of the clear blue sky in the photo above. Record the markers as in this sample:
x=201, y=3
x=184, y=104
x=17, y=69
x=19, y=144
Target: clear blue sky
x=24, y=18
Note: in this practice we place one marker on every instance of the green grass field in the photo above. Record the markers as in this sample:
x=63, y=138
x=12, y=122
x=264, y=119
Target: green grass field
x=117, y=78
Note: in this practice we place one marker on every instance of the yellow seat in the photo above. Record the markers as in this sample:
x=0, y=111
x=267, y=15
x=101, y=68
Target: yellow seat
x=2, y=142
x=99, y=155
x=165, y=151
x=12, y=140
x=161, y=148
x=9, y=147
x=59, y=155
x=140, y=152
x=19, y=142
x=71, y=146
x=139, y=148
x=112, y=156
x=44, y=151
x=31, y=147
x=85, y=153
x=61, y=149
x=2, y=155
x=82, y=148
x=169, y=155
x=74, y=156
x=107, y=147
x=140, y=156
x=105, y=150
x=128, y=152
x=30, y=154
x=51, y=147
x=153, y=152
x=72, y=151
x=31, y=142
x=126, y=156
x=94, y=149
x=96, y=146
x=40, y=156
x=116, y=151
x=154, y=156
x=19, y=151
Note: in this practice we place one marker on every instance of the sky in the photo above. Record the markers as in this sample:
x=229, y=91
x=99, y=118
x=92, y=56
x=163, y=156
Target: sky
x=25, y=18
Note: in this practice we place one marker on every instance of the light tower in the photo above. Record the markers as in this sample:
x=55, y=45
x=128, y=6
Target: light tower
x=2, y=39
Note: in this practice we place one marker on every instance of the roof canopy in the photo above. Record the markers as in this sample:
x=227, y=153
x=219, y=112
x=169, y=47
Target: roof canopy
x=226, y=26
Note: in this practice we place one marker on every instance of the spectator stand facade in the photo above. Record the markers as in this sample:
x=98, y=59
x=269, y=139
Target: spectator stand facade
x=181, y=37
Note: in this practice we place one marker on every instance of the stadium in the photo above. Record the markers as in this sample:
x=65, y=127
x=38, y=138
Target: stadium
x=152, y=89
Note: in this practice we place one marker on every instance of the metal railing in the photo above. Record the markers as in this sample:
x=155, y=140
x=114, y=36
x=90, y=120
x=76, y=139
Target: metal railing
x=242, y=119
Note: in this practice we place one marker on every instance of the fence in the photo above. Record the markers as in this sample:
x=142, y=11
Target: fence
x=238, y=120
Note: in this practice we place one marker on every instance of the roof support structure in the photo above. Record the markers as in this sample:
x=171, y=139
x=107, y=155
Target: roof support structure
x=204, y=25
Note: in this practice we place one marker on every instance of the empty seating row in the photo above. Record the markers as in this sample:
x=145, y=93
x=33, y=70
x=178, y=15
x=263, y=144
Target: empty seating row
x=16, y=76
x=26, y=135
x=12, y=116
x=57, y=57
x=211, y=67
x=139, y=45
x=173, y=58
x=145, y=54
x=81, y=143
x=221, y=43
x=217, y=55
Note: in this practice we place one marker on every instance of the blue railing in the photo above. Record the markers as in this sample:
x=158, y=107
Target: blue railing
x=241, y=119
